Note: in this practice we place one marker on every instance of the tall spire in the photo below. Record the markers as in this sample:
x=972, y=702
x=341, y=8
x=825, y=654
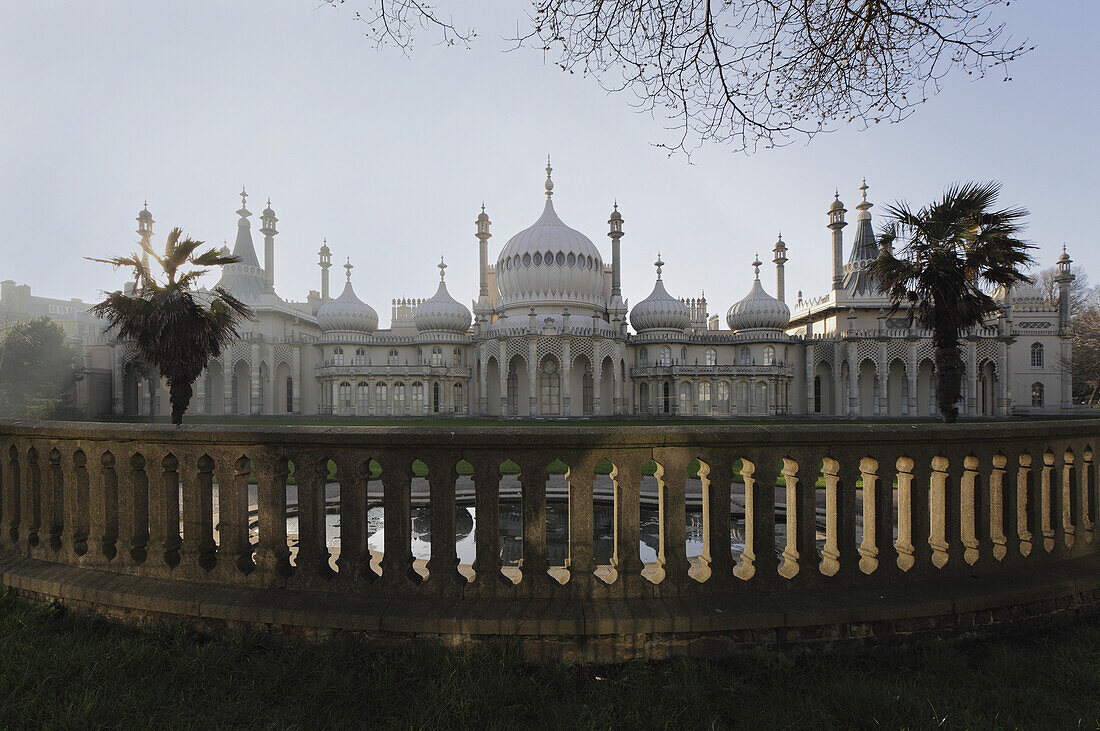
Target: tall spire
x=243, y=211
x=756, y=266
x=349, y=266
x=659, y=264
x=864, y=205
x=442, y=269
x=549, y=185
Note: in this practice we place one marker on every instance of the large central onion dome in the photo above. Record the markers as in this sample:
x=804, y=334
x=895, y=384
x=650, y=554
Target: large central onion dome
x=441, y=313
x=347, y=313
x=660, y=310
x=758, y=310
x=550, y=261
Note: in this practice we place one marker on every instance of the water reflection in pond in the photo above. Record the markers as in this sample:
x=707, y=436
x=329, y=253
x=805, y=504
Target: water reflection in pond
x=511, y=530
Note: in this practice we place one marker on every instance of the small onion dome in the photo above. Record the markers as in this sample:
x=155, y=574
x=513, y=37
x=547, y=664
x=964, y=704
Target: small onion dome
x=758, y=310
x=268, y=213
x=347, y=313
x=837, y=205
x=660, y=310
x=441, y=312
x=144, y=213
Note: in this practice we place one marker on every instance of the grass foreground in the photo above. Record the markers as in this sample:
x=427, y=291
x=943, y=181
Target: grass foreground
x=63, y=670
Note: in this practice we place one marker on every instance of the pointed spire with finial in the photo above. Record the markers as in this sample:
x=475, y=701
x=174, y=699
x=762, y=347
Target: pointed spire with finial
x=756, y=265
x=243, y=212
x=349, y=266
x=864, y=204
x=442, y=269
x=549, y=185
x=659, y=264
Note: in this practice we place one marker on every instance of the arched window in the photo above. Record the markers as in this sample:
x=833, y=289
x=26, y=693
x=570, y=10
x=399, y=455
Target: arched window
x=460, y=399
x=586, y=391
x=437, y=356
x=643, y=358
x=761, y=397
x=665, y=357
x=685, y=399
x=345, y=404
x=643, y=398
x=1037, y=394
x=437, y=402
x=1036, y=355
x=549, y=389
x=513, y=389
x=723, y=397
x=289, y=395
x=817, y=394
x=360, y=357
x=683, y=355
x=744, y=355
x=399, y=398
x=392, y=358
x=456, y=358
x=338, y=356
x=704, y=399
x=769, y=355
x=417, y=398
x=379, y=398
x=712, y=357
x=363, y=396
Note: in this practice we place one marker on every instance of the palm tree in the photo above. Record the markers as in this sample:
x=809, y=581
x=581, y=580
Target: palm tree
x=954, y=252
x=176, y=330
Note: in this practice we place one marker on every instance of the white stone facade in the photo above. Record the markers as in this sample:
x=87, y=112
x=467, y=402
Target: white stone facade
x=549, y=338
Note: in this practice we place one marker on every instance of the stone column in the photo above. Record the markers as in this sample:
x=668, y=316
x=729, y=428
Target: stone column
x=675, y=410
x=483, y=384
x=883, y=381
x=117, y=403
x=733, y=397
x=296, y=380
x=911, y=375
x=853, y=381
x=336, y=405
x=532, y=373
x=811, y=367
x=773, y=406
x=597, y=377
x=254, y=404
x=199, y=399
x=229, y=375
x=1002, y=379
x=567, y=378
x=840, y=402
x=972, y=377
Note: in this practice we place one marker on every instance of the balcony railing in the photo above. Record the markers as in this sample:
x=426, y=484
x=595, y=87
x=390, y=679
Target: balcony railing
x=826, y=508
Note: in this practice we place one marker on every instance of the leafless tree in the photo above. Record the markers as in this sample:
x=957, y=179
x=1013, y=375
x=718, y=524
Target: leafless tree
x=747, y=73
x=1081, y=293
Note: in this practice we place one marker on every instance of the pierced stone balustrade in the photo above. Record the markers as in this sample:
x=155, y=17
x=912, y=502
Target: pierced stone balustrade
x=807, y=533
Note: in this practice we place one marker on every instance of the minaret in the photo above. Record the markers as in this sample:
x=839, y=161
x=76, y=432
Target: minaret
x=615, y=221
x=1064, y=278
x=325, y=263
x=267, y=218
x=145, y=231
x=837, y=224
x=780, y=259
x=482, y=307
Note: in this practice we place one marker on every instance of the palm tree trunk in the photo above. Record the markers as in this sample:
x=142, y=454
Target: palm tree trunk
x=180, y=392
x=948, y=373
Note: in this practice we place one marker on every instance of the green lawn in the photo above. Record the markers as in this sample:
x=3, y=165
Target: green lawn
x=63, y=671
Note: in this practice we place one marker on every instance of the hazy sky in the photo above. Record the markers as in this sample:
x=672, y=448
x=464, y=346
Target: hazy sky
x=105, y=105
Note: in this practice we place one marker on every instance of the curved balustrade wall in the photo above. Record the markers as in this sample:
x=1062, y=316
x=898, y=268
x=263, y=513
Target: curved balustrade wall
x=883, y=530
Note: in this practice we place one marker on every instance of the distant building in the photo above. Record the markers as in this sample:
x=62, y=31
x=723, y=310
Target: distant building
x=548, y=337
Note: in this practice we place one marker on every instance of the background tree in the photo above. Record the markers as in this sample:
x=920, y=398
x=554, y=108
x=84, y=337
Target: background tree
x=1081, y=292
x=744, y=72
x=1086, y=352
x=952, y=253
x=176, y=330
x=39, y=372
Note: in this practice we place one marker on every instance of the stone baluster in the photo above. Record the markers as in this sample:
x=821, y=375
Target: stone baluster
x=905, y=541
x=534, y=565
x=397, y=559
x=234, y=557
x=1069, y=499
x=830, y=552
x=627, y=476
x=443, y=574
x=792, y=556
x=998, y=493
x=272, y=552
x=52, y=504
x=759, y=562
x=1047, y=493
x=164, y=512
x=353, y=473
x=1088, y=496
x=671, y=474
x=581, y=479
x=971, y=513
x=313, y=569
x=198, y=553
x=939, y=507
x=30, y=509
x=488, y=580
x=103, y=510
x=10, y=502
x=872, y=508
x=717, y=553
x=1025, y=505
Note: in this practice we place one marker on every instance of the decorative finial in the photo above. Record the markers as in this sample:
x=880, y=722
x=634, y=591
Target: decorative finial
x=756, y=265
x=659, y=264
x=349, y=266
x=269, y=201
x=244, y=198
x=615, y=205
x=442, y=269
x=836, y=195
x=864, y=188
x=483, y=206
x=549, y=183
x=146, y=205
x=1063, y=247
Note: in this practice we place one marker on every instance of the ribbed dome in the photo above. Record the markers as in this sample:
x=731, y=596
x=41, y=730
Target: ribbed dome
x=660, y=311
x=441, y=313
x=758, y=310
x=550, y=261
x=347, y=313
x=1027, y=292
